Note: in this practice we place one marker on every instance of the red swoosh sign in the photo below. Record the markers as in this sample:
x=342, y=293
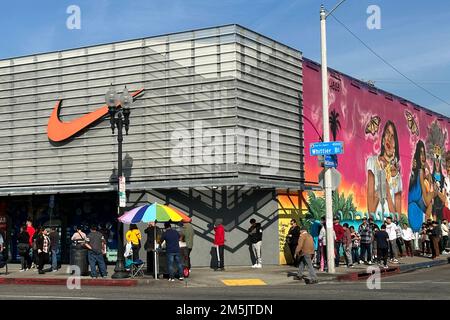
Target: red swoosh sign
x=58, y=131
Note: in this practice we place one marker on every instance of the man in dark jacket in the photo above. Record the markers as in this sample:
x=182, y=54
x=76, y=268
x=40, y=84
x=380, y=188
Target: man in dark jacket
x=172, y=238
x=255, y=236
x=292, y=239
x=54, y=248
x=382, y=239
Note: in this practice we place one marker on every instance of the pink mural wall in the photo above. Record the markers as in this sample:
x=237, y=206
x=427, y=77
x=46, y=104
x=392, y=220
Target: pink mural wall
x=381, y=134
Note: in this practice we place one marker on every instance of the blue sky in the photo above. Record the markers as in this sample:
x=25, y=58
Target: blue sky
x=414, y=35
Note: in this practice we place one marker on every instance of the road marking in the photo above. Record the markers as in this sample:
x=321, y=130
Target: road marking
x=47, y=297
x=244, y=282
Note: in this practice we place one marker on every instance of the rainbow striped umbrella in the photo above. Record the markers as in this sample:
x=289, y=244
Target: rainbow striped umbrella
x=154, y=212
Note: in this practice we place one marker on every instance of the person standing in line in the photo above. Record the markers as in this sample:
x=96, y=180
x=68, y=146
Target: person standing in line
x=391, y=230
x=292, y=239
x=382, y=245
x=94, y=242
x=425, y=240
x=31, y=232
x=24, y=249
x=305, y=251
x=435, y=239
x=54, y=247
x=323, y=243
x=149, y=246
x=43, y=249
x=187, y=233
x=134, y=236
x=172, y=238
x=339, y=231
x=219, y=244
x=255, y=236
x=365, y=232
x=408, y=236
x=355, y=244
x=444, y=231
x=347, y=246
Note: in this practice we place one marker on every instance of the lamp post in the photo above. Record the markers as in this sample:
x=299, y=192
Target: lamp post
x=326, y=136
x=119, y=112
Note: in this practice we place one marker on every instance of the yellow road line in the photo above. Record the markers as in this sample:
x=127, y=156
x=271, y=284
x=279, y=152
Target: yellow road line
x=244, y=282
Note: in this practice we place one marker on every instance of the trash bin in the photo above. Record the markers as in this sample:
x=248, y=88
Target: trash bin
x=78, y=257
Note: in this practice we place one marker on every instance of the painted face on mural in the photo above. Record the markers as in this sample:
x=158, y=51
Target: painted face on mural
x=423, y=158
x=389, y=142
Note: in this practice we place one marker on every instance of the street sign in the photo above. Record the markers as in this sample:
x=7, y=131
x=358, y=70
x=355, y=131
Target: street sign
x=330, y=161
x=335, y=178
x=326, y=148
x=122, y=194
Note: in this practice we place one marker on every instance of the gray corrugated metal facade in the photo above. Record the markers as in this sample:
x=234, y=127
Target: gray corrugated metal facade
x=215, y=105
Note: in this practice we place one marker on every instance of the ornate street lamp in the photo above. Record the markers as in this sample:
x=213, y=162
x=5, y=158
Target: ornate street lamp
x=119, y=112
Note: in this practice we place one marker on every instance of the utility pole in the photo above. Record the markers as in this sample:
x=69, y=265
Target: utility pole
x=326, y=138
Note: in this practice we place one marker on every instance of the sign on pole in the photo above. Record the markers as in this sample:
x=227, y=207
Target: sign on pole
x=122, y=194
x=335, y=178
x=326, y=148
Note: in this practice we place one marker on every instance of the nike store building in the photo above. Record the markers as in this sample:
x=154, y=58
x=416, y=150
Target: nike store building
x=216, y=133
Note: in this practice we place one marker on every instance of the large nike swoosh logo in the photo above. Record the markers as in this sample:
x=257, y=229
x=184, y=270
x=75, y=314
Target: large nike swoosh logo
x=58, y=131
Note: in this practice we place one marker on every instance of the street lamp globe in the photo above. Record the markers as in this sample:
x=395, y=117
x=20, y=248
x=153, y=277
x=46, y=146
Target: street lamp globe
x=125, y=99
x=111, y=97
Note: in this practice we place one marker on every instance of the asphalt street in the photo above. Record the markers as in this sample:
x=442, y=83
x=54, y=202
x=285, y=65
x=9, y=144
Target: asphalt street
x=432, y=283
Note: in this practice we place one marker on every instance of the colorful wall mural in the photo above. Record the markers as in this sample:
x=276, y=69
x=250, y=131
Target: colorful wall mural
x=397, y=154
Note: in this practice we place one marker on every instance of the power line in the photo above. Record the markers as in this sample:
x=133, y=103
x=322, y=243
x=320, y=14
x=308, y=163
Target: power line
x=389, y=64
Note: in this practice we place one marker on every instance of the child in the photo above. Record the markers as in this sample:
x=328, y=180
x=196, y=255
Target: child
x=382, y=238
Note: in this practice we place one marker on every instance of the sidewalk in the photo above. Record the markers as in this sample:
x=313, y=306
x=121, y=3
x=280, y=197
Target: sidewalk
x=206, y=277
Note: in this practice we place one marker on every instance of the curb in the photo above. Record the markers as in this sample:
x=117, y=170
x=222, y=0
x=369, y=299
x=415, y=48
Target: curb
x=362, y=275
x=63, y=282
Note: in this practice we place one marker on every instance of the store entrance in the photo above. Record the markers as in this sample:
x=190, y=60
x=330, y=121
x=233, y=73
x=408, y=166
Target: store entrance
x=65, y=212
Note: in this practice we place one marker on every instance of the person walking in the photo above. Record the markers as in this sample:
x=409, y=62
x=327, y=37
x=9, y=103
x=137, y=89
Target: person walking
x=134, y=236
x=23, y=247
x=219, y=244
x=94, y=242
x=365, y=232
x=54, y=248
x=382, y=245
x=408, y=237
x=187, y=233
x=43, y=249
x=172, y=238
x=305, y=251
x=391, y=230
x=255, y=237
x=292, y=239
x=339, y=231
